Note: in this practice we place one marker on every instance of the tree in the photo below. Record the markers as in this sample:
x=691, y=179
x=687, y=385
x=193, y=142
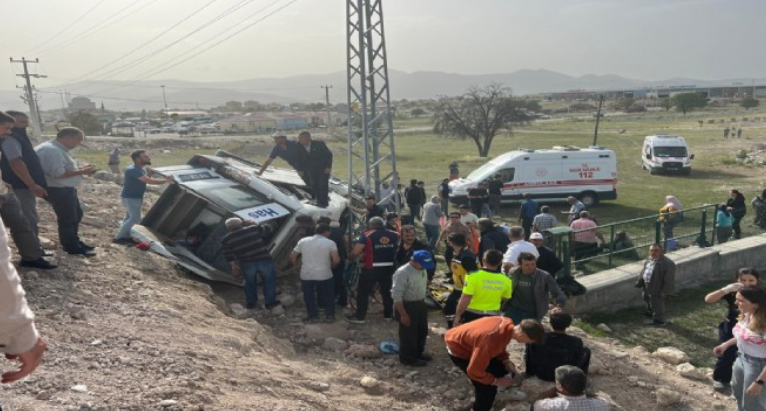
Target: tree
x=665, y=103
x=685, y=102
x=624, y=104
x=85, y=122
x=480, y=114
x=533, y=105
x=417, y=112
x=749, y=102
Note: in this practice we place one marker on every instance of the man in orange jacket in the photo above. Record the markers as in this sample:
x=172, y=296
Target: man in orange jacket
x=478, y=348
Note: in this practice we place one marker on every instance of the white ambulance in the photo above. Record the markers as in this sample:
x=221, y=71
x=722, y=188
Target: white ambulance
x=667, y=154
x=589, y=174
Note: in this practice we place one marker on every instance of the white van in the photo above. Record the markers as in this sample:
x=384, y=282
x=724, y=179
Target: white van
x=589, y=174
x=662, y=153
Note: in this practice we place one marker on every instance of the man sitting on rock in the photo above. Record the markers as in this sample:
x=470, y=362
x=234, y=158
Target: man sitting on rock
x=559, y=348
x=570, y=393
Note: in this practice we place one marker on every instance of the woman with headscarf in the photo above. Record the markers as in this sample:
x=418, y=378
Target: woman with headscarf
x=671, y=215
x=737, y=208
x=759, y=205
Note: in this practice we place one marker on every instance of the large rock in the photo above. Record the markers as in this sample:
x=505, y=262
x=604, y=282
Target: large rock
x=364, y=351
x=239, y=311
x=368, y=382
x=671, y=355
x=334, y=344
x=689, y=371
x=286, y=300
x=666, y=397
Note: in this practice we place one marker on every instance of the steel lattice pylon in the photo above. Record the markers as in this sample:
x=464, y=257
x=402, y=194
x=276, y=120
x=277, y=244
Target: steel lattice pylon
x=371, y=157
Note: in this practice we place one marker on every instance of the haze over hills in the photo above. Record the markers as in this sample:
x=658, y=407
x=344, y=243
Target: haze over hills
x=306, y=88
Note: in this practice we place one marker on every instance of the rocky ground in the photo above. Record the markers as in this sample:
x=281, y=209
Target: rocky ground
x=127, y=330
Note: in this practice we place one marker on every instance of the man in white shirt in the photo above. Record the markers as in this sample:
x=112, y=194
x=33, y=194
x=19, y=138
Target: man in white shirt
x=570, y=393
x=319, y=255
x=518, y=245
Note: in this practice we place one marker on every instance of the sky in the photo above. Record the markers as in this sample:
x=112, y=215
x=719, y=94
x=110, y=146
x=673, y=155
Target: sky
x=103, y=40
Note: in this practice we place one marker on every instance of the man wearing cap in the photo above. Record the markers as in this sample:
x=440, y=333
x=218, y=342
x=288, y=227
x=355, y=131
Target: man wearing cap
x=246, y=248
x=378, y=246
x=409, y=293
x=485, y=291
x=547, y=261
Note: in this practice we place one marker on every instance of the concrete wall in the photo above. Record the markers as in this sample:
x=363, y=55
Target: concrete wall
x=614, y=289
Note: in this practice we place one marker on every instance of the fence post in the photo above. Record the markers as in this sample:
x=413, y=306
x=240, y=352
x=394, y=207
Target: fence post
x=658, y=234
x=567, y=258
x=611, y=245
x=702, y=238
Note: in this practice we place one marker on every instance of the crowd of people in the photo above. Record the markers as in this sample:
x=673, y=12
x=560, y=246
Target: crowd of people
x=503, y=279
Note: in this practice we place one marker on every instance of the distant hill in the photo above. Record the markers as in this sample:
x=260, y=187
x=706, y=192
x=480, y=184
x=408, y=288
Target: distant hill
x=306, y=88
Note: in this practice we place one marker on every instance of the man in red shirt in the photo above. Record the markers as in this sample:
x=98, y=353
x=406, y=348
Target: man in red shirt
x=479, y=349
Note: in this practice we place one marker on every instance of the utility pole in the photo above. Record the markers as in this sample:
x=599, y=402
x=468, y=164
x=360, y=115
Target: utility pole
x=164, y=99
x=34, y=115
x=327, y=105
x=598, y=118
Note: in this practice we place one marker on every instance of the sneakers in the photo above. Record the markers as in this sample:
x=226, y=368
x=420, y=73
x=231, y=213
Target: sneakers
x=720, y=386
x=40, y=263
x=655, y=323
x=87, y=247
x=353, y=320
x=272, y=305
x=414, y=363
x=329, y=320
x=510, y=394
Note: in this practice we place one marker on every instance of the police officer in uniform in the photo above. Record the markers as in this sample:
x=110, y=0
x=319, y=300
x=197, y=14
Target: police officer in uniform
x=378, y=245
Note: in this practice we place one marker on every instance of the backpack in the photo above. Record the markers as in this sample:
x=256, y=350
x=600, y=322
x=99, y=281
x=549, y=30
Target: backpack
x=570, y=286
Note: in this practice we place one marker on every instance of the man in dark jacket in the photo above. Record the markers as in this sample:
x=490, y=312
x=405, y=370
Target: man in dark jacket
x=657, y=280
x=491, y=237
x=21, y=168
x=547, y=261
x=407, y=247
x=414, y=197
x=314, y=160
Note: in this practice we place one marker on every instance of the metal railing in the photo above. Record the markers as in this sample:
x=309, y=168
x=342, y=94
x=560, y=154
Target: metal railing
x=625, y=242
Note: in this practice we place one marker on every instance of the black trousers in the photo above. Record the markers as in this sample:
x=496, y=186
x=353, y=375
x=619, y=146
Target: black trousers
x=21, y=231
x=66, y=205
x=319, y=180
x=469, y=316
x=484, y=395
x=450, y=306
x=340, y=283
x=367, y=281
x=412, y=338
x=723, y=365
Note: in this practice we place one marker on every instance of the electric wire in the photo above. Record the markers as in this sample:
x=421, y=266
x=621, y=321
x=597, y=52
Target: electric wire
x=64, y=30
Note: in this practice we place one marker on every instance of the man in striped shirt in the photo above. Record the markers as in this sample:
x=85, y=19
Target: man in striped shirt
x=544, y=221
x=246, y=248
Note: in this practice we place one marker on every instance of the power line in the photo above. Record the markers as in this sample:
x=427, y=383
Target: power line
x=118, y=70
x=149, y=41
x=97, y=27
x=161, y=70
x=120, y=99
x=154, y=87
x=72, y=24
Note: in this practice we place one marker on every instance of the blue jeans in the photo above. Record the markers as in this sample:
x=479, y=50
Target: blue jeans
x=326, y=291
x=746, y=370
x=265, y=269
x=132, y=217
x=432, y=234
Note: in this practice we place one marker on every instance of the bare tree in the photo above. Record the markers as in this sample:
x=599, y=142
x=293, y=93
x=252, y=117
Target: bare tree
x=480, y=114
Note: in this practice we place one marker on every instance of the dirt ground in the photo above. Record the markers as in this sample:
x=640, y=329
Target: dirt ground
x=128, y=330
